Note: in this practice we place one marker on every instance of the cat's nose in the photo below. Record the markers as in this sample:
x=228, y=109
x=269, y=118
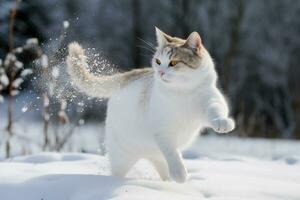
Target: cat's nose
x=161, y=73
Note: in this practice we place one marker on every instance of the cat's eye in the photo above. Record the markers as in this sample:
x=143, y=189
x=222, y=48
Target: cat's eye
x=173, y=63
x=157, y=61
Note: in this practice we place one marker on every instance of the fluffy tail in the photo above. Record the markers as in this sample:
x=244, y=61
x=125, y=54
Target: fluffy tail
x=93, y=85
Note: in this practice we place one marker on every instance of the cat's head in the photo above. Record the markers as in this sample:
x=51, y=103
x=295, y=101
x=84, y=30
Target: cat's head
x=179, y=62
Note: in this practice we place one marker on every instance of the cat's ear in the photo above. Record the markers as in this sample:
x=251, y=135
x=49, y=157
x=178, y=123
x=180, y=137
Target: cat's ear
x=194, y=41
x=162, y=38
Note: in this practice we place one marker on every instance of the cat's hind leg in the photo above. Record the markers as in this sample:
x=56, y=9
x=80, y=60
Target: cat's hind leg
x=119, y=158
x=120, y=162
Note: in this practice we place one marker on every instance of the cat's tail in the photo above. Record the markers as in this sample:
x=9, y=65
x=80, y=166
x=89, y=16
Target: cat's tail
x=97, y=85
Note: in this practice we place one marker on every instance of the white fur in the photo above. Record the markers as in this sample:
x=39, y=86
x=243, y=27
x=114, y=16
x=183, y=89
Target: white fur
x=152, y=118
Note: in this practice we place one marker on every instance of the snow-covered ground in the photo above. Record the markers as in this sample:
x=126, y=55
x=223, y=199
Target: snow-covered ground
x=219, y=167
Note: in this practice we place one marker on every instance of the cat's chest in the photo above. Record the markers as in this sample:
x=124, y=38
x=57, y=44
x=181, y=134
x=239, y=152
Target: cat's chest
x=177, y=111
x=183, y=107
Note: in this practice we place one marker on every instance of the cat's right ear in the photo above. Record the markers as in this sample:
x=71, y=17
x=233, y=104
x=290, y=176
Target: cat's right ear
x=194, y=41
x=161, y=37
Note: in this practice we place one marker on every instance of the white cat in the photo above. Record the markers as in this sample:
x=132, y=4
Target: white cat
x=153, y=113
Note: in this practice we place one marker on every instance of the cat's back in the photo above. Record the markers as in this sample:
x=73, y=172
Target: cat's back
x=129, y=102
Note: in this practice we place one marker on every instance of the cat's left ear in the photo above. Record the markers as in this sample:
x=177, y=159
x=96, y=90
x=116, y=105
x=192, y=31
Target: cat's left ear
x=162, y=38
x=194, y=41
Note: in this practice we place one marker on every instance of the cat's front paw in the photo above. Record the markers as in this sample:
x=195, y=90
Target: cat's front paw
x=178, y=173
x=223, y=125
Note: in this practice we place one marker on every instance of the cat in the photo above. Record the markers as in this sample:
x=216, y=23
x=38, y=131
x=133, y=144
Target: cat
x=153, y=113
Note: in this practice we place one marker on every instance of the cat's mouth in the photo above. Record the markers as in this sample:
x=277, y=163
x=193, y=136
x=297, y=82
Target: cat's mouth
x=163, y=78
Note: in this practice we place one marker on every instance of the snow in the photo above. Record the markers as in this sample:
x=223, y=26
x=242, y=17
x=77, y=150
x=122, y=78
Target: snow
x=66, y=24
x=19, y=50
x=25, y=108
x=44, y=61
x=15, y=92
x=16, y=83
x=19, y=64
x=26, y=72
x=10, y=57
x=55, y=72
x=32, y=41
x=46, y=101
x=4, y=80
x=220, y=168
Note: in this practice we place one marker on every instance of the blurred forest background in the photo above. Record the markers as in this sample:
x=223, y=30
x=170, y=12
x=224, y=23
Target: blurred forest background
x=255, y=45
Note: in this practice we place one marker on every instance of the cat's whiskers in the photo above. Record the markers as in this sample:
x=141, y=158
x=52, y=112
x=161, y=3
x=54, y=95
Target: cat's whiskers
x=148, y=43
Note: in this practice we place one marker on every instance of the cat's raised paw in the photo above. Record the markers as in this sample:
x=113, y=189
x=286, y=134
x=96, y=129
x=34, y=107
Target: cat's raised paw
x=223, y=125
